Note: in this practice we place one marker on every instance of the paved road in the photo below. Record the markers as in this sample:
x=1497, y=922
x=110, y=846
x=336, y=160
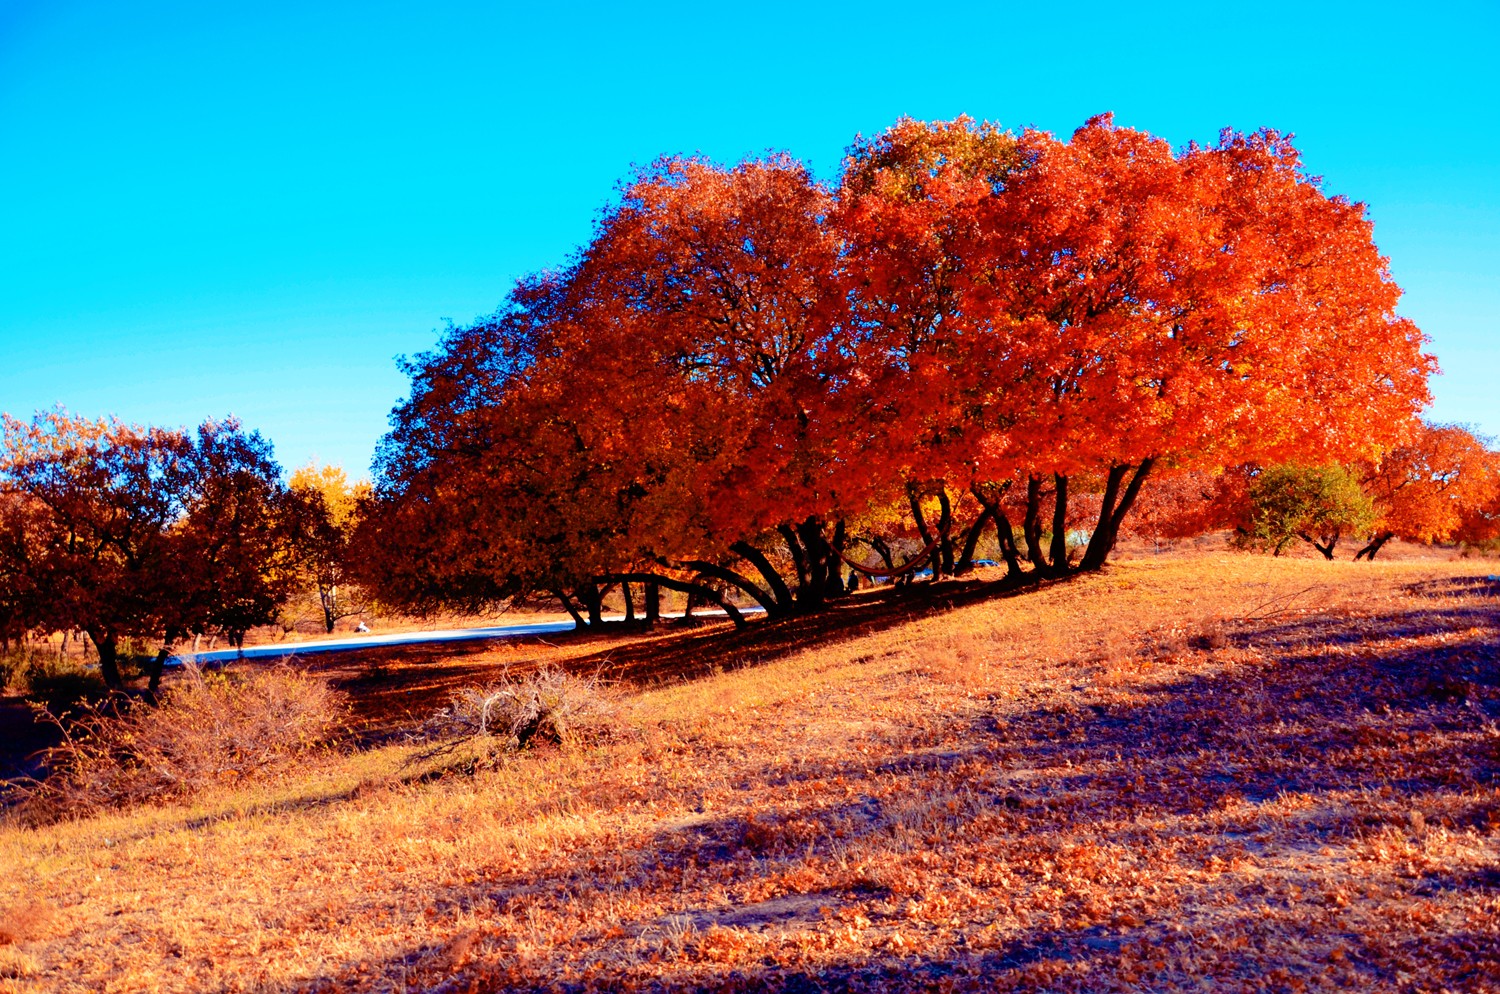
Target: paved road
x=281, y=650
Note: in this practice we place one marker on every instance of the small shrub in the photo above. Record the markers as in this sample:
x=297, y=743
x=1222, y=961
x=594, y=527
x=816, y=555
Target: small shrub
x=15, y=662
x=1211, y=636
x=39, y=673
x=207, y=729
x=548, y=704
x=60, y=683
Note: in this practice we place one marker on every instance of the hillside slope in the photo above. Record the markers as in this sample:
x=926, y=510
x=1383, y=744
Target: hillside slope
x=1216, y=769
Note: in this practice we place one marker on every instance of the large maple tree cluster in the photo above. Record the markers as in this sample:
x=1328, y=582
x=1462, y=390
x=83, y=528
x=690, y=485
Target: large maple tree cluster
x=751, y=382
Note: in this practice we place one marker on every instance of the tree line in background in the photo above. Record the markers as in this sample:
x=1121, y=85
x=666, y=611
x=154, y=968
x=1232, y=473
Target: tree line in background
x=753, y=387
x=130, y=534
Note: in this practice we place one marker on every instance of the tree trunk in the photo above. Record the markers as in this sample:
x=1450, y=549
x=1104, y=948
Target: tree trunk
x=799, y=559
x=567, y=602
x=971, y=541
x=596, y=606
x=1031, y=525
x=914, y=498
x=653, y=603
x=1112, y=513
x=109, y=666
x=815, y=588
x=834, y=581
x=1060, y=526
x=945, y=538
x=695, y=591
x=328, y=599
x=756, y=558
x=1094, y=555
x=1325, y=547
x=1005, y=534
x=1376, y=544
x=157, y=665
x=883, y=550
x=764, y=599
x=629, y=603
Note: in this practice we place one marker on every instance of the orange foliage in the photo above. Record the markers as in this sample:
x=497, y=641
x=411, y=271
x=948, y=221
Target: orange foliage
x=1430, y=488
x=744, y=366
x=124, y=531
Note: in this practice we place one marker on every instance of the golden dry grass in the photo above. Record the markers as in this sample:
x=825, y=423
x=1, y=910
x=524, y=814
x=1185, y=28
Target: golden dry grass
x=1209, y=771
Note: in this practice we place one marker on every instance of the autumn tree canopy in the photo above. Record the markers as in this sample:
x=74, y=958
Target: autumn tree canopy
x=321, y=517
x=750, y=381
x=124, y=531
x=1425, y=489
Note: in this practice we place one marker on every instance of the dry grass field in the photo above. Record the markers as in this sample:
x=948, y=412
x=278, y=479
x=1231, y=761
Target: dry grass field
x=1204, y=771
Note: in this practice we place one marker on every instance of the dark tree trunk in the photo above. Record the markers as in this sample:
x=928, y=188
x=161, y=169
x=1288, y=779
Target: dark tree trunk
x=914, y=499
x=696, y=592
x=1060, y=526
x=567, y=602
x=764, y=599
x=1325, y=547
x=157, y=666
x=1112, y=511
x=799, y=558
x=1005, y=534
x=653, y=603
x=593, y=602
x=109, y=664
x=835, y=565
x=971, y=541
x=1376, y=544
x=629, y=602
x=945, y=539
x=779, y=592
x=883, y=550
x=1031, y=527
x=815, y=587
x=1094, y=555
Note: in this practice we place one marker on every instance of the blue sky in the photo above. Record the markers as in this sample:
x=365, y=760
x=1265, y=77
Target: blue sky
x=211, y=208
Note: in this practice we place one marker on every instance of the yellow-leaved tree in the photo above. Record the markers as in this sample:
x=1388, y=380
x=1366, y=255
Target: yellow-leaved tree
x=325, y=509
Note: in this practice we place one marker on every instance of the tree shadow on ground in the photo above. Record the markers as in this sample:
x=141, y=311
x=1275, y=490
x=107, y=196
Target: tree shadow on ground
x=1314, y=736
x=393, y=685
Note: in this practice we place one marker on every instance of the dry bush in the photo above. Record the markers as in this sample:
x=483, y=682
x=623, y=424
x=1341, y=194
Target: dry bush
x=208, y=729
x=15, y=661
x=42, y=675
x=548, y=704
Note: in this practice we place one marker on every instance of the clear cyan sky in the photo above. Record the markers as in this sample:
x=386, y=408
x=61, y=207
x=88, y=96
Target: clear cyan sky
x=252, y=208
